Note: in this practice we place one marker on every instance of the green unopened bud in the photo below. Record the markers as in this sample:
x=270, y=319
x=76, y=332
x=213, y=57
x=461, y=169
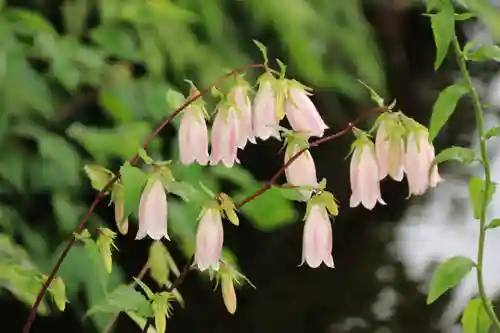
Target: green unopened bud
x=228, y=294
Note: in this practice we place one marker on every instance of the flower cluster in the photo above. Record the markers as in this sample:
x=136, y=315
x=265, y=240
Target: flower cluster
x=401, y=146
x=238, y=121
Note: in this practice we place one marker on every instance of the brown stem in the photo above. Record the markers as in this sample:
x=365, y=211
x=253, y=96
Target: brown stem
x=100, y=195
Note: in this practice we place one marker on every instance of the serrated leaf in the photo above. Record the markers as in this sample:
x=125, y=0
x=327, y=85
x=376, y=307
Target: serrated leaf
x=476, y=195
x=443, y=28
x=158, y=263
x=99, y=176
x=460, y=154
x=444, y=107
x=475, y=319
x=447, y=275
x=132, y=180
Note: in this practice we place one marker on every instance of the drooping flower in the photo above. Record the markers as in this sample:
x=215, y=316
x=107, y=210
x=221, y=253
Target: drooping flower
x=317, y=238
x=389, y=149
x=301, y=112
x=209, y=239
x=302, y=171
x=193, y=136
x=225, y=137
x=244, y=111
x=418, y=159
x=153, y=211
x=364, y=174
x=265, y=117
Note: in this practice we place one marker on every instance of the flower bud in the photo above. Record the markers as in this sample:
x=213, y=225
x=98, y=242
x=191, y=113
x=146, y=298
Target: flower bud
x=225, y=137
x=302, y=171
x=302, y=114
x=209, y=239
x=418, y=159
x=153, y=211
x=228, y=293
x=365, y=177
x=265, y=118
x=193, y=136
x=317, y=238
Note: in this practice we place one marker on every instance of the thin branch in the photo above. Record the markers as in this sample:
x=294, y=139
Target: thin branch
x=32, y=314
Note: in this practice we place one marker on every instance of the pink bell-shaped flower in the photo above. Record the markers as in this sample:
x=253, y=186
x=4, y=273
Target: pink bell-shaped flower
x=317, y=238
x=302, y=171
x=225, y=137
x=389, y=149
x=418, y=159
x=209, y=239
x=193, y=136
x=364, y=174
x=153, y=211
x=265, y=117
x=301, y=112
x=244, y=106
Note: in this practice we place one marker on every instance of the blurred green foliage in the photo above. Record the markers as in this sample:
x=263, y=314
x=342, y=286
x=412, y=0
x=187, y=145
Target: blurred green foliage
x=49, y=62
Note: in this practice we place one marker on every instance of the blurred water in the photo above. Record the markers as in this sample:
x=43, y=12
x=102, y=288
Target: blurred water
x=443, y=226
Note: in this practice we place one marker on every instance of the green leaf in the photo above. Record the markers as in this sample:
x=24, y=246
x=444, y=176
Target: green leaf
x=123, y=298
x=495, y=223
x=149, y=293
x=140, y=321
x=291, y=193
x=158, y=263
x=279, y=211
x=495, y=131
x=75, y=13
x=133, y=180
x=443, y=28
x=29, y=21
x=464, y=16
x=121, y=141
x=476, y=195
x=485, y=52
x=58, y=291
x=444, y=107
x=447, y=275
x=182, y=189
x=66, y=212
x=460, y=154
x=475, y=319
x=99, y=176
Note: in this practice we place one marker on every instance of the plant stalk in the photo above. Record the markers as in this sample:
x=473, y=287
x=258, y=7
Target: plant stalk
x=478, y=111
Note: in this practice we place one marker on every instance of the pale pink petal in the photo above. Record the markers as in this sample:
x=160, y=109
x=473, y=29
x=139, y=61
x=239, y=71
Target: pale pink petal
x=153, y=212
x=382, y=150
x=302, y=171
x=209, y=239
x=317, y=238
x=302, y=114
x=265, y=118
